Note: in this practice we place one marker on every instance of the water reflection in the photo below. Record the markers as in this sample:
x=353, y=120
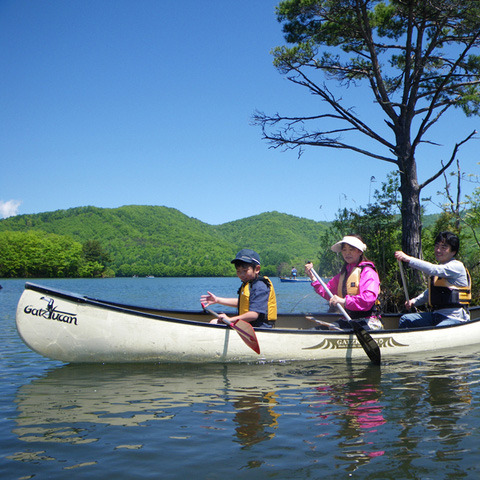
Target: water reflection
x=434, y=410
x=339, y=416
x=255, y=418
x=63, y=404
x=357, y=410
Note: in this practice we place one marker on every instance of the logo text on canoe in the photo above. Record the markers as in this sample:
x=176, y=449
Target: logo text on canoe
x=51, y=312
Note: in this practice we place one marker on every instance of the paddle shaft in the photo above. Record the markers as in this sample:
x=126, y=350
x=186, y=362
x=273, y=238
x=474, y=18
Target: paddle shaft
x=404, y=283
x=215, y=314
x=330, y=294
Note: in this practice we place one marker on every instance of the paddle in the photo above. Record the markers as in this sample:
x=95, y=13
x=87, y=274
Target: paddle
x=324, y=324
x=244, y=329
x=366, y=341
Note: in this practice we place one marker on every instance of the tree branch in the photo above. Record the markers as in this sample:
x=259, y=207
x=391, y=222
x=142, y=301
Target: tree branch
x=290, y=144
x=342, y=112
x=452, y=158
x=425, y=124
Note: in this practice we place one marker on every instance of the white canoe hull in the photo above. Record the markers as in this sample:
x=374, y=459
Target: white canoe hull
x=71, y=328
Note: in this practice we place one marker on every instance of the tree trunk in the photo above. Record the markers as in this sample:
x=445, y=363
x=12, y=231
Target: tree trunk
x=409, y=189
x=411, y=217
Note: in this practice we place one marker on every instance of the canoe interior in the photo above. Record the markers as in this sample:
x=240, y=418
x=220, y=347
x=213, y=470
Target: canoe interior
x=295, y=280
x=285, y=320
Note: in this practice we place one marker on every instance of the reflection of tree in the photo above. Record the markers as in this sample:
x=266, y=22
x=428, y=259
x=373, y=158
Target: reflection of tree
x=362, y=414
x=255, y=418
x=438, y=399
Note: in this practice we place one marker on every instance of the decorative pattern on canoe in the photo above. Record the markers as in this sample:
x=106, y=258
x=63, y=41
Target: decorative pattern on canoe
x=343, y=343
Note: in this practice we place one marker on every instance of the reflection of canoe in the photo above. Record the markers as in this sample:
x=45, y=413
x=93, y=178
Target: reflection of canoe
x=67, y=404
x=73, y=328
x=295, y=280
x=58, y=406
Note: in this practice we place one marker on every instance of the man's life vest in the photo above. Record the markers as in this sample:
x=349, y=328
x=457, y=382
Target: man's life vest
x=351, y=286
x=244, y=299
x=442, y=294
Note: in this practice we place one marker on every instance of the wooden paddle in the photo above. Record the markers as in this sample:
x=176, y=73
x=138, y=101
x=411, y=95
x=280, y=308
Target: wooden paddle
x=243, y=328
x=366, y=341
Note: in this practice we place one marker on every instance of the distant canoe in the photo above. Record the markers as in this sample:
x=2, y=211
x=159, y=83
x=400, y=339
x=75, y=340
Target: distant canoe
x=295, y=280
x=78, y=329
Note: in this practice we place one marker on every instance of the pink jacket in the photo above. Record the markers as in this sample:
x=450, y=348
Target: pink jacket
x=369, y=288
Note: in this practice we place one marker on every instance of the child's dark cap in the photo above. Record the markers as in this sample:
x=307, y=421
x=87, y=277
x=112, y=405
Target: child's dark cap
x=247, y=256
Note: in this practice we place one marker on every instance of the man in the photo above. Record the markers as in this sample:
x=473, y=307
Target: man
x=449, y=286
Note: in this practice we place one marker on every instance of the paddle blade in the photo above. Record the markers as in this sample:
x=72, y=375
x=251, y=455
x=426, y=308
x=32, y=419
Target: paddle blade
x=368, y=343
x=243, y=328
x=247, y=334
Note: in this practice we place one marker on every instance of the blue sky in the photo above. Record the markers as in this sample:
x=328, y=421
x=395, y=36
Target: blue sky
x=149, y=102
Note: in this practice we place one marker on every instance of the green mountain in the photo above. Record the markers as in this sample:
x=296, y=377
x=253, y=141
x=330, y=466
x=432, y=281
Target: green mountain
x=278, y=237
x=162, y=241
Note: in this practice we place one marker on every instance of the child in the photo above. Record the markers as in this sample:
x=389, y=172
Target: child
x=356, y=287
x=256, y=300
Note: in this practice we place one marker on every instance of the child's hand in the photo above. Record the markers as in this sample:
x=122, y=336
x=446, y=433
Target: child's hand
x=208, y=299
x=220, y=318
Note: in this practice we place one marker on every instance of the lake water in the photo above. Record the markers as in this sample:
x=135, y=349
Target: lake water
x=407, y=419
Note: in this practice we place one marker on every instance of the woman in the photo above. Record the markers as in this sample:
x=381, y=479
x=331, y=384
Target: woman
x=356, y=287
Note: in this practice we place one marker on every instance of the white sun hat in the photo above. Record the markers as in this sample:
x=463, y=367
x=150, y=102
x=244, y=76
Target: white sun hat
x=353, y=241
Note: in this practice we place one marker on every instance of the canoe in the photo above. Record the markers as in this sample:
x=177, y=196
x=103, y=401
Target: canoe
x=73, y=328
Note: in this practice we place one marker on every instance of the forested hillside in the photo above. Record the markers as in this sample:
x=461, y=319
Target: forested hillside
x=281, y=238
x=152, y=240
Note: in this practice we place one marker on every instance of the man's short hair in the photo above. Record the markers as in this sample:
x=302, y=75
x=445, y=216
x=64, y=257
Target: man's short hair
x=450, y=239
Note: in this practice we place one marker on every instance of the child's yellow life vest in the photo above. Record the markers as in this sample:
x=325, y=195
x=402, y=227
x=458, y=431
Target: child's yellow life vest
x=244, y=299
